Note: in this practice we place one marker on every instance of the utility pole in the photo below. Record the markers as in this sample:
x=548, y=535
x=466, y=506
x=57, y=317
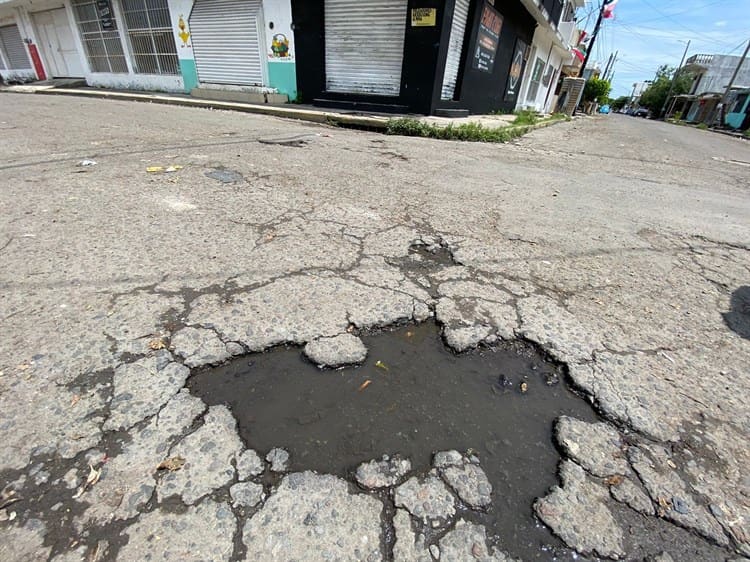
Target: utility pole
x=593, y=39
x=609, y=62
x=674, y=79
x=610, y=73
x=731, y=83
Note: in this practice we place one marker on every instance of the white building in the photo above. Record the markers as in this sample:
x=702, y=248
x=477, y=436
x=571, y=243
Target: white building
x=167, y=45
x=550, y=52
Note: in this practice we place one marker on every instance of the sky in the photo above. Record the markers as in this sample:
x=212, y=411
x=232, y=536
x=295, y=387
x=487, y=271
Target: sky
x=649, y=33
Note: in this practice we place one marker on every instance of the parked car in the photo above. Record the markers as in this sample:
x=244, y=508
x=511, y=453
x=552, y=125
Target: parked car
x=604, y=109
x=641, y=112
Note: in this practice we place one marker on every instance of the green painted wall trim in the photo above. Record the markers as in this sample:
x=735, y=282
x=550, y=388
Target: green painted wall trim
x=283, y=77
x=189, y=74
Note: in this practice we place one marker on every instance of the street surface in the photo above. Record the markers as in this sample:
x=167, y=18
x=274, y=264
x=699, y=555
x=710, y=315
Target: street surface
x=620, y=246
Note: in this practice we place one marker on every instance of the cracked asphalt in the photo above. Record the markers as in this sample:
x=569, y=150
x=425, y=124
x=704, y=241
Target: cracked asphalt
x=619, y=246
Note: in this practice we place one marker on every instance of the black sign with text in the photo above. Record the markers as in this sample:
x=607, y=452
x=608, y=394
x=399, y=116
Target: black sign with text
x=488, y=36
x=106, y=18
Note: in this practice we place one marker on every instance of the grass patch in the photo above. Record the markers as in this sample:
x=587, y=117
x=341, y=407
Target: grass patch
x=747, y=133
x=526, y=117
x=471, y=132
x=702, y=126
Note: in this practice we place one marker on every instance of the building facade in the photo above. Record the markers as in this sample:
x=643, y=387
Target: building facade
x=407, y=56
x=421, y=56
x=162, y=45
x=550, y=60
x=711, y=77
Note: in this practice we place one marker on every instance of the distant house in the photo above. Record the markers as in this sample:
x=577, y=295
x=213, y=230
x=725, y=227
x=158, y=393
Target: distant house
x=711, y=76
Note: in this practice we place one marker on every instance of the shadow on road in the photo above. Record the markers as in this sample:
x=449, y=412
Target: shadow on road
x=738, y=317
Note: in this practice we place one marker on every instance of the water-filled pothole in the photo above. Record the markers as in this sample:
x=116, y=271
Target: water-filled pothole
x=421, y=398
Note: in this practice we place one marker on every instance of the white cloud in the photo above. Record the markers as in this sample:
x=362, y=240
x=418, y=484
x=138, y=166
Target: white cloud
x=721, y=23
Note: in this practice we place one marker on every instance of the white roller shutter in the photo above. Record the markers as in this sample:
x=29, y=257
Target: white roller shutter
x=455, y=47
x=14, y=48
x=364, y=45
x=226, y=41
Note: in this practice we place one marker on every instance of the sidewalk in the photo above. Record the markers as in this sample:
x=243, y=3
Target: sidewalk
x=342, y=118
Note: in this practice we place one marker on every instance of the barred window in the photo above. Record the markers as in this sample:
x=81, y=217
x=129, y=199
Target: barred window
x=151, y=37
x=103, y=46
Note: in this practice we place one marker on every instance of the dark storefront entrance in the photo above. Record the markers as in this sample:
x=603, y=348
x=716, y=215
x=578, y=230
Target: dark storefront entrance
x=411, y=56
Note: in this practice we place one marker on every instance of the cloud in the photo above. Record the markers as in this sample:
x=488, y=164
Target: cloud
x=721, y=23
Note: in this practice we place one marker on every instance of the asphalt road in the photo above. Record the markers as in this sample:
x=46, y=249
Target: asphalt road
x=618, y=245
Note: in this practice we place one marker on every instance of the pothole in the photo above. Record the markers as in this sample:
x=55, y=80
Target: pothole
x=412, y=397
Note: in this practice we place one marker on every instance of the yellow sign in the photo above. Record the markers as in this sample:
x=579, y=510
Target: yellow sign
x=423, y=17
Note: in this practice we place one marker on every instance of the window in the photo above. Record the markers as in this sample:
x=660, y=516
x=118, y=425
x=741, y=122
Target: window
x=536, y=78
x=739, y=104
x=13, y=48
x=151, y=37
x=103, y=46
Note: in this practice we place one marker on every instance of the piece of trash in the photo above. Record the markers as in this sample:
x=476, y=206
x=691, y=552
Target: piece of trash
x=524, y=387
x=614, y=480
x=409, y=334
x=671, y=464
x=380, y=365
x=157, y=344
x=86, y=163
x=5, y=516
x=93, y=478
x=171, y=464
x=364, y=385
x=9, y=499
x=74, y=400
x=162, y=169
x=667, y=357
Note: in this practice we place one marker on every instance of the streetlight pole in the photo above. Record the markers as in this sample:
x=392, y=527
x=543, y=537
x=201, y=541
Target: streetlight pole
x=674, y=79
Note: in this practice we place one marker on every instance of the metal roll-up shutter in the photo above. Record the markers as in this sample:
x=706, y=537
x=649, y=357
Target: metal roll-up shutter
x=455, y=47
x=226, y=41
x=14, y=48
x=364, y=46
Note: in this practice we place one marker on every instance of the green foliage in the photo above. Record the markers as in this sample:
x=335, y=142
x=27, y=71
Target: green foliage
x=597, y=89
x=656, y=94
x=620, y=102
x=473, y=132
x=526, y=117
x=702, y=126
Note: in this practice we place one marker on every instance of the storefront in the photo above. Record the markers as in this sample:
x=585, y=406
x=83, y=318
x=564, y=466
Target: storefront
x=162, y=45
x=421, y=56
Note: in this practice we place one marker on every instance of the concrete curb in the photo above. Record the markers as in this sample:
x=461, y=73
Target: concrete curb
x=275, y=111
x=285, y=112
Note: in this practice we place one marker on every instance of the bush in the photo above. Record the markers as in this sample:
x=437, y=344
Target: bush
x=596, y=90
x=702, y=126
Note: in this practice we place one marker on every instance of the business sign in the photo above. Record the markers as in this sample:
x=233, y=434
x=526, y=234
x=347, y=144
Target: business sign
x=516, y=71
x=488, y=37
x=423, y=17
x=106, y=17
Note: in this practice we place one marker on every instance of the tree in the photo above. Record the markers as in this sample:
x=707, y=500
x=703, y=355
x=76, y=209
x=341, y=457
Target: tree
x=656, y=94
x=620, y=102
x=596, y=89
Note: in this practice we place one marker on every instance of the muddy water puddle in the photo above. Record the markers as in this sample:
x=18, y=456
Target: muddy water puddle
x=421, y=398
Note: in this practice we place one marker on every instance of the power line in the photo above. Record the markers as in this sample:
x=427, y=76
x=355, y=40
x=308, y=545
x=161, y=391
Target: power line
x=697, y=33
x=666, y=16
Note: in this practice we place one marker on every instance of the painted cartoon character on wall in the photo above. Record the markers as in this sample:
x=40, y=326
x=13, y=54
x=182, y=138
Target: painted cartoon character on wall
x=183, y=34
x=280, y=46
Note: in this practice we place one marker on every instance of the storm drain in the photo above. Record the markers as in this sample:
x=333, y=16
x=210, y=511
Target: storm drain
x=412, y=397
